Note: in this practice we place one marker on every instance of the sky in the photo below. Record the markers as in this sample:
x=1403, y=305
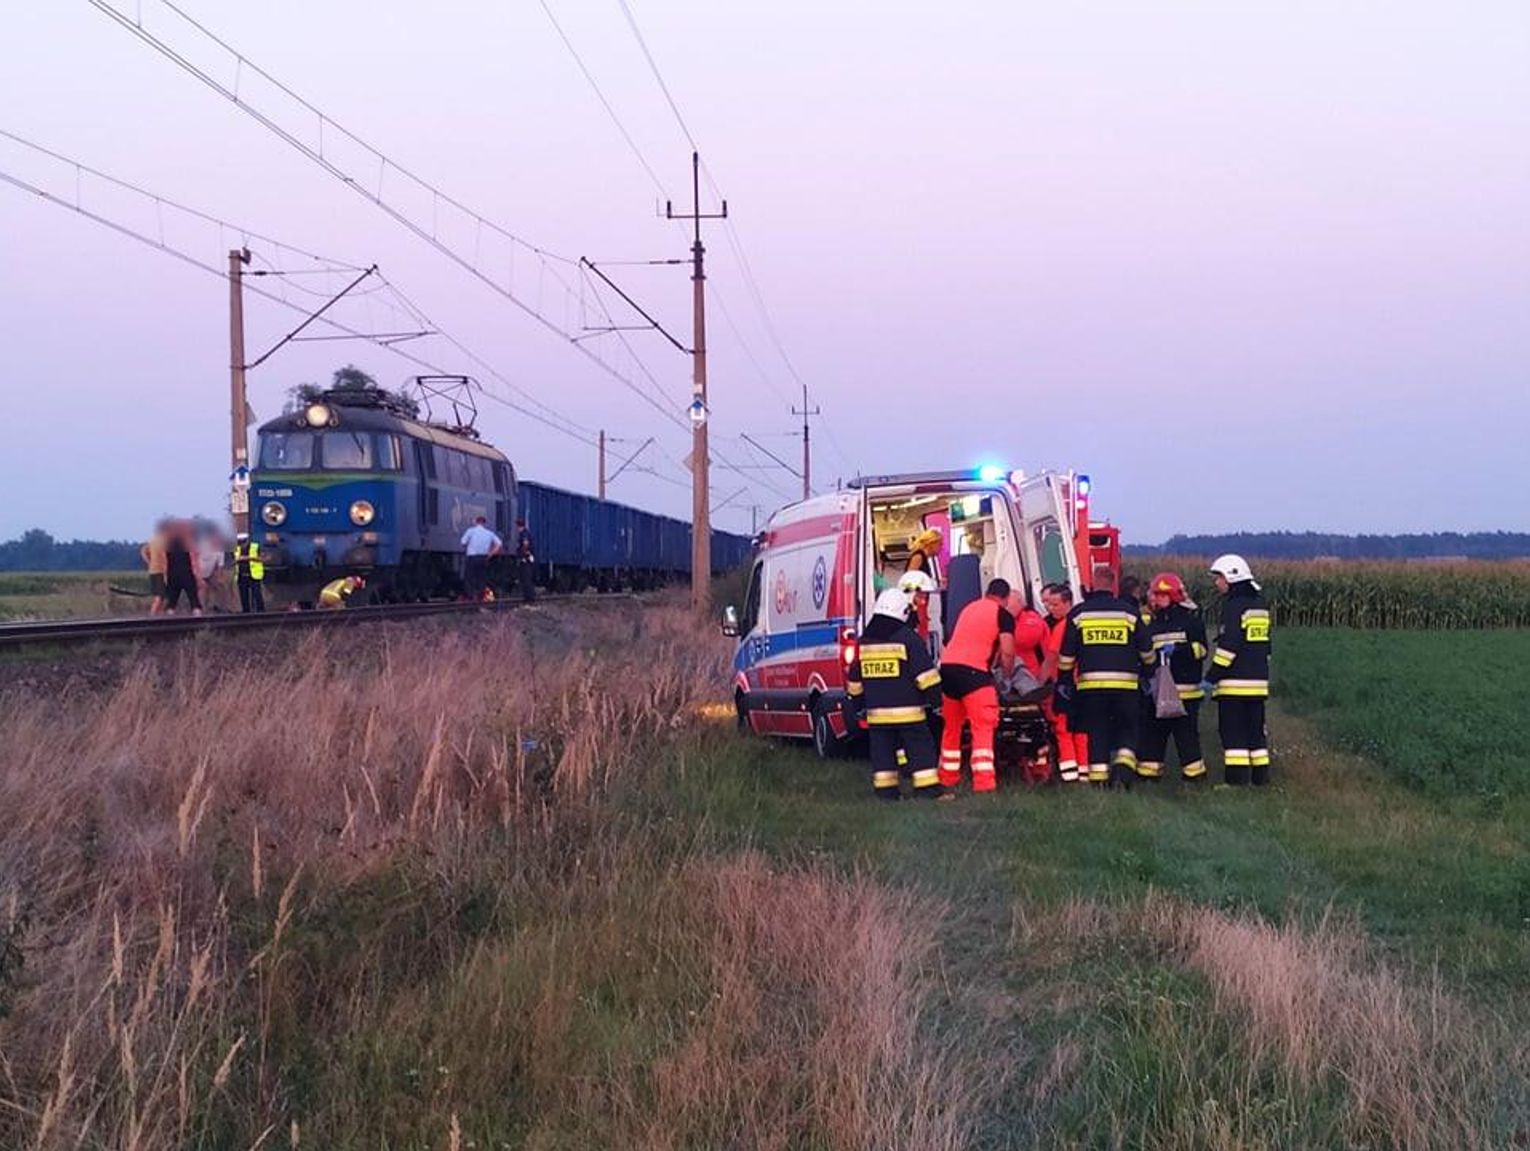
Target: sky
x=1250, y=265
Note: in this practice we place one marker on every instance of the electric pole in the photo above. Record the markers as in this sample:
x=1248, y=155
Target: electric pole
x=602, y=487
x=239, y=450
x=701, y=520
x=807, y=455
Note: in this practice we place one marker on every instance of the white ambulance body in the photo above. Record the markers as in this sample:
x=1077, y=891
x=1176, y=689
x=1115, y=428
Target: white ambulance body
x=821, y=563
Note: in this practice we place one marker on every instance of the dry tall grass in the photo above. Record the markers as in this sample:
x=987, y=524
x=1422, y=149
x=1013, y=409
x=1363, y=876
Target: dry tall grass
x=1311, y=1033
x=377, y=891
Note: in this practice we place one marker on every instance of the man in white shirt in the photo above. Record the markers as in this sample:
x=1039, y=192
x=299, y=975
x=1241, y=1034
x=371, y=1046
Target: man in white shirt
x=478, y=544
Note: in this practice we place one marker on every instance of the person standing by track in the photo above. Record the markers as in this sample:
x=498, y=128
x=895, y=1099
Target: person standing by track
x=249, y=573
x=181, y=568
x=479, y=543
x=153, y=554
x=1179, y=638
x=1104, y=649
x=983, y=634
x=525, y=560
x=1239, y=679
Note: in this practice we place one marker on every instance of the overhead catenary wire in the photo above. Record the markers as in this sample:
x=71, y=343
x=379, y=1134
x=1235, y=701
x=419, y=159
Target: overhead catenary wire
x=545, y=258
x=212, y=269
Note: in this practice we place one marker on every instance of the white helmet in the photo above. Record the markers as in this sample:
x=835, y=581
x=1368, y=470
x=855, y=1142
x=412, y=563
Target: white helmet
x=892, y=602
x=910, y=582
x=1234, y=569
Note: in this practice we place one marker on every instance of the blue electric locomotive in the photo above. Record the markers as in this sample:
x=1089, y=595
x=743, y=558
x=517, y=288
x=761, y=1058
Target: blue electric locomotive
x=355, y=482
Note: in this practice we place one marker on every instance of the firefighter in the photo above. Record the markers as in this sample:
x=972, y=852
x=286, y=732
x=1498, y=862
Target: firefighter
x=1104, y=649
x=1072, y=747
x=918, y=585
x=250, y=573
x=983, y=633
x=890, y=684
x=337, y=593
x=1179, y=639
x=1239, y=679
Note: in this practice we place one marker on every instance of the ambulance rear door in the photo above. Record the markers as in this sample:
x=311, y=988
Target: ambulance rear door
x=1046, y=534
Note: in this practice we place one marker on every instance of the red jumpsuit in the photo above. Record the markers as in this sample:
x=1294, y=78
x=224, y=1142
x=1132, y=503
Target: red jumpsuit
x=1072, y=746
x=969, y=695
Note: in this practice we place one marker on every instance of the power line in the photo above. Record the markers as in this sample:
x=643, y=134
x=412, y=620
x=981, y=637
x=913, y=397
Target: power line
x=212, y=269
x=328, y=125
x=657, y=75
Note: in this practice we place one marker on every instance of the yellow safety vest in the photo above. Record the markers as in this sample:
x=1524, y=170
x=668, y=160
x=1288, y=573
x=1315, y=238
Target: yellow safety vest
x=257, y=569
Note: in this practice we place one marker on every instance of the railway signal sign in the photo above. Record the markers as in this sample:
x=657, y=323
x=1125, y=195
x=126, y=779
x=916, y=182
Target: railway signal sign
x=240, y=478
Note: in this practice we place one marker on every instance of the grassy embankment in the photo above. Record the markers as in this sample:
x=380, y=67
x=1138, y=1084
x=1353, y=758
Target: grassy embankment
x=67, y=595
x=565, y=911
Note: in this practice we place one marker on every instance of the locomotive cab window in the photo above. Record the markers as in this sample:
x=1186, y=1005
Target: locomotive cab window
x=351, y=451
x=286, y=451
x=389, y=458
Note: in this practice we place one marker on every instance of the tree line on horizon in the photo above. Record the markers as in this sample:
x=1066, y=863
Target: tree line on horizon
x=1330, y=545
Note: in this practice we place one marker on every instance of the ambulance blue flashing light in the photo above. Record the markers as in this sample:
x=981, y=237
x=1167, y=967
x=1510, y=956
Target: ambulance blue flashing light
x=991, y=473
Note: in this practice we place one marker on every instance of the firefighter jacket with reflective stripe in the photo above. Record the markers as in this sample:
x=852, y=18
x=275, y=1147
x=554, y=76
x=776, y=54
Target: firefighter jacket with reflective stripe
x=1105, y=646
x=1186, y=630
x=247, y=561
x=336, y=592
x=893, y=679
x=1240, y=665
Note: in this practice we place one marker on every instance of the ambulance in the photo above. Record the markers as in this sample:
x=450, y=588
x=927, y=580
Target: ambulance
x=820, y=564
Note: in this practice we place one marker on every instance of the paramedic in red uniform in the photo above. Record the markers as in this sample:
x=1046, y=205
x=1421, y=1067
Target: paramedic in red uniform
x=983, y=632
x=1072, y=746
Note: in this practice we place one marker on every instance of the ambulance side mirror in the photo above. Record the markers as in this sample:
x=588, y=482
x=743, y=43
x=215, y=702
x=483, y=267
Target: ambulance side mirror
x=730, y=621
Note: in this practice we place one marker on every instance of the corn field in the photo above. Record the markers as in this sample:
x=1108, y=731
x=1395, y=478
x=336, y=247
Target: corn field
x=1424, y=596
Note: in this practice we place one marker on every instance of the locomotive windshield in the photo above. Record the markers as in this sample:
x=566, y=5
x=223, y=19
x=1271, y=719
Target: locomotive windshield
x=353, y=451
x=348, y=450
x=286, y=451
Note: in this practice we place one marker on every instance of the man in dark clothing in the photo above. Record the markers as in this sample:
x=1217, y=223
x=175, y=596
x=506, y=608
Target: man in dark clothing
x=525, y=560
x=1239, y=679
x=1104, y=650
x=889, y=685
x=180, y=569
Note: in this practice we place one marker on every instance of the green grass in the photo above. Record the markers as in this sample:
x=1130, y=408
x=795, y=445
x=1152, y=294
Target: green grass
x=1444, y=712
x=63, y=595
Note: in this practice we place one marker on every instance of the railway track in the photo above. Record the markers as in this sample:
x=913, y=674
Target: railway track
x=37, y=633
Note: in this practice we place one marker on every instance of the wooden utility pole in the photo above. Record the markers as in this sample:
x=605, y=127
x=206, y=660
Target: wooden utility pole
x=807, y=455
x=602, y=487
x=239, y=450
x=701, y=519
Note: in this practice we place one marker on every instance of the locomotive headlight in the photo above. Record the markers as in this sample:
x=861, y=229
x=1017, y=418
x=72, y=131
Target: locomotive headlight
x=274, y=513
x=362, y=513
x=318, y=415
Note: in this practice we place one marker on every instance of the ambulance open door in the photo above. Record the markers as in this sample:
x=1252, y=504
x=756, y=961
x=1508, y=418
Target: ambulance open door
x=1047, y=537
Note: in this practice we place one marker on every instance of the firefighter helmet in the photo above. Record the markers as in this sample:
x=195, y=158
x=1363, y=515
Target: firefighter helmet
x=1169, y=584
x=892, y=602
x=915, y=581
x=1234, y=569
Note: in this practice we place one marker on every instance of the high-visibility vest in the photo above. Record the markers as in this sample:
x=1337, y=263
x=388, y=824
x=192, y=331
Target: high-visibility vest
x=336, y=592
x=249, y=561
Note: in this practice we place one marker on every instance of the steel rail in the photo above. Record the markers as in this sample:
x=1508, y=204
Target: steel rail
x=70, y=631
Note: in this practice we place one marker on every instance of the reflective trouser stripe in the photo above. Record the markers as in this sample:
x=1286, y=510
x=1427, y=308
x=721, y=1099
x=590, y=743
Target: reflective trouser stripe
x=1238, y=758
x=950, y=767
x=1124, y=756
x=1149, y=770
x=1099, y=772
x=983, y=778
x=1193, y=770
x=884, y=779
x=926, y=777
x=1068, y=769
x=1243, y=688
x=1260, y=757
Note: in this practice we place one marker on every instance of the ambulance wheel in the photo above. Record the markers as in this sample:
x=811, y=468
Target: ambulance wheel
x=825, y=742
x=741, y=709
